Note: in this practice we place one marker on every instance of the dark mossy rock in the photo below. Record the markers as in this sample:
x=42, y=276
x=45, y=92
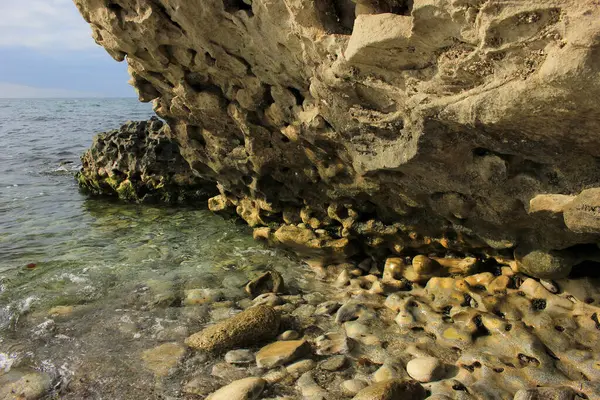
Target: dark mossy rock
x=141, y=162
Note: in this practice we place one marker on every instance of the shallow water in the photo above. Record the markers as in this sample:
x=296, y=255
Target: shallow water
x=125, y=269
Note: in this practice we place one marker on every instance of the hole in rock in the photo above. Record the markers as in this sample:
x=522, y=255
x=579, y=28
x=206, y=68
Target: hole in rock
x=508, y=327
x=401, y=7
x=459, y=386
x=538, y=304
x=297, y=94
x=498, y=370
x=525, y=359
x=481, y=329
x=114, y=7
x=586, y=268
x=559, y=328
x=232, y=6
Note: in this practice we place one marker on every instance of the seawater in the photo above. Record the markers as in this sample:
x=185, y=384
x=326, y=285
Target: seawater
x=120, y=272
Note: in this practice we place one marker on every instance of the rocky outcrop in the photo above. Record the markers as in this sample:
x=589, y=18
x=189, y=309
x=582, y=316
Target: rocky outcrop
x=383, y=126
x=140, y=162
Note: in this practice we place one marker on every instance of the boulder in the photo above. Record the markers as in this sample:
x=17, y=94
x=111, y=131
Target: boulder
x=249, y=327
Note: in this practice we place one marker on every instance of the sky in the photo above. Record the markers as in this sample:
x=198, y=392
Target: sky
x=46, y=50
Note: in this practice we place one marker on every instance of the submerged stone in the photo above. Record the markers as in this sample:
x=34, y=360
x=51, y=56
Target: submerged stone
x=249, y=327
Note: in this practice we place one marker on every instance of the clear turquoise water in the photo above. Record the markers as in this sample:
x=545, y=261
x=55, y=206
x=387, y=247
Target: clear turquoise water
x=124, y=268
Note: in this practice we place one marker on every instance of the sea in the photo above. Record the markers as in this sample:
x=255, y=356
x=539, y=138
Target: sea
x=88, y=284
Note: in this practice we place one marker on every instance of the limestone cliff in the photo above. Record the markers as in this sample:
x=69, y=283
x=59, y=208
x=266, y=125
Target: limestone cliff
x=424, y=125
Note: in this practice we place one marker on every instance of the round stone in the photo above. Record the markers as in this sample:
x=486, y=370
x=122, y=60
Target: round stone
x=425, y=369
x=241, y=356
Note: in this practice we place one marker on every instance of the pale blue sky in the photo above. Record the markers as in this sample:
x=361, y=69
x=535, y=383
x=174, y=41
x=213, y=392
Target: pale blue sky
x=46, y=50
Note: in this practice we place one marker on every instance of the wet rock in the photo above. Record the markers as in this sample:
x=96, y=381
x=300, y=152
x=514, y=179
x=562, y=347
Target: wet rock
x=334, y=363
x=300, y=367
x=269, y=299
x=332, y=343
x=289, y=335
x=202, y=385
x=389, y=371
x=391, y=390
x=280, y=353
x=140, y=162
x=24, y=385
x=61, y=311
x=425, y=369
x=243, y=389
x=249, y=327
x=268, y=282
x=327, y=308
x=546, y=393
x=163, y=359
x=351, y=387
x=241, y=356
x=550, y=286
x=349, y=312
x=229, y=372
x=393, y=268
x=201, y=296
x=309, y=388
x=544, y=264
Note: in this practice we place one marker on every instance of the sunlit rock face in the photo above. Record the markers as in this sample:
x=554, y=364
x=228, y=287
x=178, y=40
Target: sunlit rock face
x=392, y=126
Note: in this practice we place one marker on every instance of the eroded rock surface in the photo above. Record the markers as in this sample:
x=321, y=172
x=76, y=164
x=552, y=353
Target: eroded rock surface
x=140, y=162
x=417, y=125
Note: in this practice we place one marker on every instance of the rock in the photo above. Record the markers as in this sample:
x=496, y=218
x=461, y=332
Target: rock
x=327, y=308
x=546, y=393
x=332, y=343
x=201, y=296
x=582, y=215
x=300, y=367
x=243, y=389
x=393, y=268
x=349, y=312
x=202, y=385
x=333, y=164
x=24, y=385
x=61, y=311
x=544, y=264
x=141, y=162
x=249, y=327
x=280, y=353
x=309, y=388
x=425, y=369
x=550, y=286
x=550, y=203
x=391, y=390
x=268, y=282
x=334, y=363
x=289, y=335
x=162, y=359
x=239, y=357
x=351, y=387
x=269, y=299
x=389, y=371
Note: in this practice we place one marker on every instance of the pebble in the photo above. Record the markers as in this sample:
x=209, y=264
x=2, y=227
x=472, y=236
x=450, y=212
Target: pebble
x=392, y=390
x=280, y=353
x=332, y=343
x=228, y=372
x=546, y=393
x=202, y=385
x=243, y=389
x=269, y=299
x=387, y=372
x=241, y=356
x=349, y=312
x=299, y=367
x=309, y=388
x=21, y=385
x=61, y=311
x=550, y=286
x=162, y=359
x=268, y=282
x=327, y=308
x=334, y=363
x=352, y=386
x=425, y=369
x=289, y=335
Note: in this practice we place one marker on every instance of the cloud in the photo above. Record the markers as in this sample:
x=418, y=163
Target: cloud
x=44, y=25
x=14, y=91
